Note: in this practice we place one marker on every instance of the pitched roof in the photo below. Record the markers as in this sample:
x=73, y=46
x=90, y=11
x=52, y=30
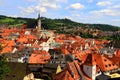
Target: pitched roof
x=117, y=53
x=104, y=63
x=102, y=77
x=39, y=57
x=22, y=40
x=9, y=42
x=72, y=71
x=90, y=60
x=7, y=49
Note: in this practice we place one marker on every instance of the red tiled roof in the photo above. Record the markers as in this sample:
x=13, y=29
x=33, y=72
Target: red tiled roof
x=118, y=53
x=22, y=40
x=7, y=49
x=8, y=43
x=104, y=63
x=39, y=57
x=72, y=71
x=31, y=37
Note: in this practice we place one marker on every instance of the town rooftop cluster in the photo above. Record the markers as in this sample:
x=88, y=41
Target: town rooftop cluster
x=80, y=58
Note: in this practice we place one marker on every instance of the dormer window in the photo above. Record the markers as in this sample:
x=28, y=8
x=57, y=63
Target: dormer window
x=109, y=65
x=113, y=64
x=106, y=66
x=105, y=60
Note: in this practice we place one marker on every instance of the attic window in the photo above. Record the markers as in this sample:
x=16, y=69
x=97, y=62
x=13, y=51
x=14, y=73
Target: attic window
x=106, y=66
x=105, y=60
x=113, y=64
x=110, y=65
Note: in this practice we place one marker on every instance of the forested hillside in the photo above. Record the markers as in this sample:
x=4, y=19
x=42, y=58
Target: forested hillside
x=56, y=24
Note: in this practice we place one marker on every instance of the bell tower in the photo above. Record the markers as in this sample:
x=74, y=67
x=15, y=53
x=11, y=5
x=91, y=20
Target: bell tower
x=39, y=23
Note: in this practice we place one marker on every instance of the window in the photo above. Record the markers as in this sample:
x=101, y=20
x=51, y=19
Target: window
x=105, y=60
x=106, y=66
x=109, y=65
x=113, y=64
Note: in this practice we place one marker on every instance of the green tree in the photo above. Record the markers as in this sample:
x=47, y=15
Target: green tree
x=3, y=66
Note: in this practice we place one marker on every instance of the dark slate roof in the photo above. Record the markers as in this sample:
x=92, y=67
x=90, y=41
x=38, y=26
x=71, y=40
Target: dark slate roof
x=102, y=77
x=114, y=79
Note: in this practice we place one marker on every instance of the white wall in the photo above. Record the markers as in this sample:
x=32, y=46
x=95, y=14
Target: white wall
x=90, y=71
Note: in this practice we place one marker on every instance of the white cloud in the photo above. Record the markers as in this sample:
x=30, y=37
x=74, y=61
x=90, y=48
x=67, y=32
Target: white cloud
x=30, y=0
x=64, y=1
x=68, y=17
x=50, y=5
x=104, y=3
x=15, y=16
x=76, y=15
x=115, y=20
x=1, y=2
x=41, y=9
x=115, y=6
x=108, y=12
x=27, y=11
x=89, y=1
x=76, y=6
x=42, y=6
x=112, y=10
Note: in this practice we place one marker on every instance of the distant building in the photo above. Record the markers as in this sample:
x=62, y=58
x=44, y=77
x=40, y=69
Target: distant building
x=38, y=27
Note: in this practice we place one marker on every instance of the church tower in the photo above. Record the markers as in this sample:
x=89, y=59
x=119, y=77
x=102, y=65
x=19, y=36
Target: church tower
x=38, y=23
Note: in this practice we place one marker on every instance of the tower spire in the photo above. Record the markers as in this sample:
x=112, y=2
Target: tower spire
x=38, y=16
x=39, y=22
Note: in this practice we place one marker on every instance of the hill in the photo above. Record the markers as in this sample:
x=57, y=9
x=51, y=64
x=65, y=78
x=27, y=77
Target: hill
x=56, y=24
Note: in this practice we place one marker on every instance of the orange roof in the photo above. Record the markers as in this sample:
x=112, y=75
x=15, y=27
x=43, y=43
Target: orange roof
x=81, y=55
x=7, y=49
x=65, y=51
x=104, y=63
x=22, y=40
x=9, y=42
x=72, y=71
x=64, y=75
x=118, y=53
x=39, y=57
x=1, y=39
x=90, y=60
x=21, y=47
x=30, y=36
x=58, y=40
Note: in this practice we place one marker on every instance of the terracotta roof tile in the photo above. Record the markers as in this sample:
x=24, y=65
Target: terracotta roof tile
x=39, y=57
x=22, y=40
x=118, y=53
x=7, y=49
x=104, y=63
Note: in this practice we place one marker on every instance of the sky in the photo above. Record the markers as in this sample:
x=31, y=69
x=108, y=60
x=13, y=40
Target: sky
x=83, y=11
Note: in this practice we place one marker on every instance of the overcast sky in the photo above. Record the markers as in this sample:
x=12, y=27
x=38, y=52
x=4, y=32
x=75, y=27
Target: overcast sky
x=85, y=11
